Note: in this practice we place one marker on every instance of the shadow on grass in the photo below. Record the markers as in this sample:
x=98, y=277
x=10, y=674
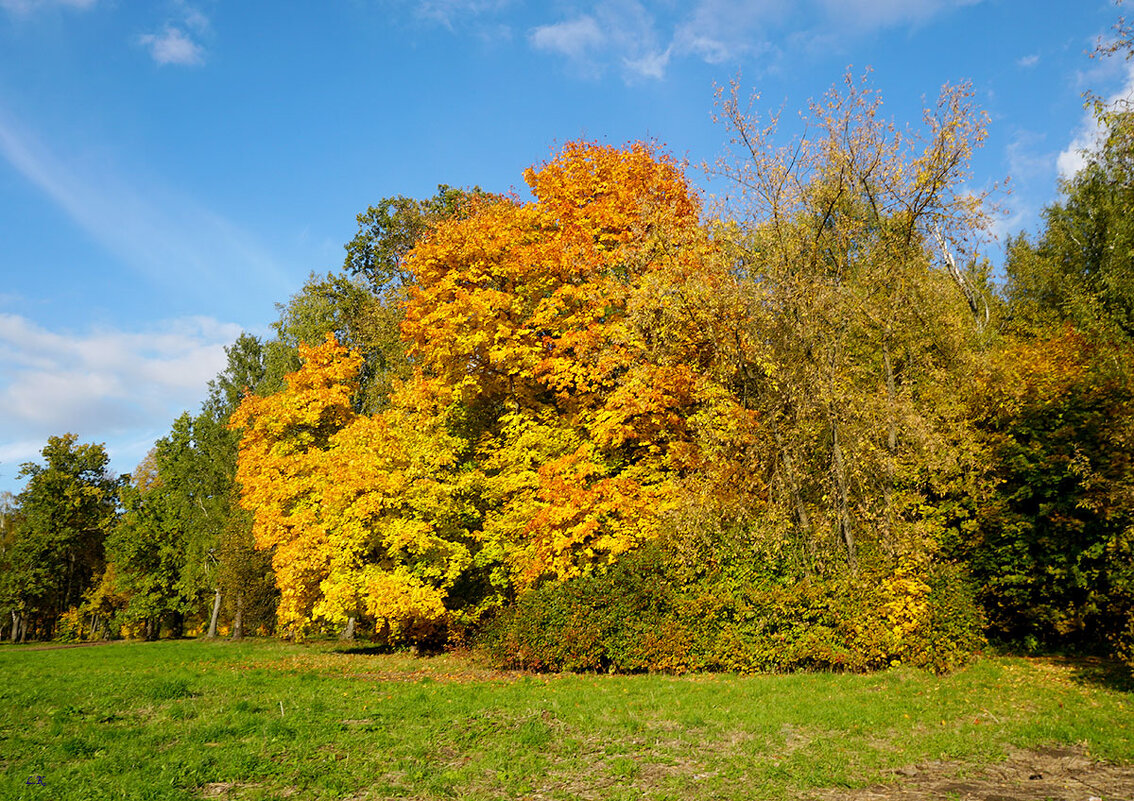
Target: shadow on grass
x=1110, y=674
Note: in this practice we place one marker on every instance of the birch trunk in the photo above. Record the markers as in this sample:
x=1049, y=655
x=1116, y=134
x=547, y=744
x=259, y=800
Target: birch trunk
x=216, y=613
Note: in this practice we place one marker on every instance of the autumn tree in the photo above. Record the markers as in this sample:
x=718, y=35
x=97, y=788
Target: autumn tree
x=363, y=304
x=857, y=314
x=538, y=434
x=356, y=509
x=532, y=317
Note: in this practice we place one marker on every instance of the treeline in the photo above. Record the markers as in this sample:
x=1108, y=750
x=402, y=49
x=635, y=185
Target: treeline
x=610, y=429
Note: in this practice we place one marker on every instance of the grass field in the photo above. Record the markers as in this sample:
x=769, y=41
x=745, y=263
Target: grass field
x=265, y=719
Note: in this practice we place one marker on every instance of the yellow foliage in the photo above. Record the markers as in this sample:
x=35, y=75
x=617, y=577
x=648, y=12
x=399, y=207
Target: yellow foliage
x=336, y=494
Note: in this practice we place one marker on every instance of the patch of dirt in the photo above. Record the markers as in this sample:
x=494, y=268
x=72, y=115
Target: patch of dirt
x=1046, y=774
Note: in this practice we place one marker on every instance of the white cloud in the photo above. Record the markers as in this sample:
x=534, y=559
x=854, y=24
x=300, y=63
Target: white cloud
x=644, y=41
x=101, y=384
x=29, y=6
x=195, y=20
x=178, y=43
x=649, y=66
x=173, y=46
x=450, y=12
x=1028, y=61
x=168, y=238
x=621, y=32
x=718, y=30
x=1088, y=135
x=576, y=38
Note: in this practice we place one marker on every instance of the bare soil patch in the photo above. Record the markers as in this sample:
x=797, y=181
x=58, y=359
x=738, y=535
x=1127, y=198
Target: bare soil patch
x=1046, y=774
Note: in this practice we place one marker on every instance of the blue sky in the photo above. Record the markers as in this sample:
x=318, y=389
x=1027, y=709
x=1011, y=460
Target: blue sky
x=170, y=170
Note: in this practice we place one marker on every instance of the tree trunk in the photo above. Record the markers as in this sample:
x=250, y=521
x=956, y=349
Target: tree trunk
x=15, y=625
x=348, y=632
x=216, y=613
x=238, y=619
x=892, y=447
x=23, y=628
x=839, y=473
x=802, y=518
x=176, y=625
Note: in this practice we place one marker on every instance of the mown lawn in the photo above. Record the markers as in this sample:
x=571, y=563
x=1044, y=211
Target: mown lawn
x=265, y=720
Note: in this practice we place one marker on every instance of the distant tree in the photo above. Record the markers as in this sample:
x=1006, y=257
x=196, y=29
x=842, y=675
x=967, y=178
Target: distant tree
x=9, y=521
x=67, y=507
x=181, y=520
x=245, y=580
x=1080, y=269
x=388, y=231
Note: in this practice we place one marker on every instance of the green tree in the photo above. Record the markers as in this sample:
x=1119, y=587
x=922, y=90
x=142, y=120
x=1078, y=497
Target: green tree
x=1080, y=269
x=9, y=522
x=67, y=507
x=388, y=231
x=245, y=580
x=1056, y=548
x=179, y=549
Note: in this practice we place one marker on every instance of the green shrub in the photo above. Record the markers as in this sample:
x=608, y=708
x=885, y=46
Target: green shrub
x=638, y=616
x=955, y=627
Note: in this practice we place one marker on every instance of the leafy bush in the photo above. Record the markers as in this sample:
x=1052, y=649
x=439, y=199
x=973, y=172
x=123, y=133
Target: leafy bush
x=637, y=616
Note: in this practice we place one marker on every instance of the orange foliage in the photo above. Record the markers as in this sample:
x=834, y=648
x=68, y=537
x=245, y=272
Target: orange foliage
x=550, y=418
x=538, y=307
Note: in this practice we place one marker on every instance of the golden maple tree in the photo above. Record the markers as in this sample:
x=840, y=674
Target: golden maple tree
x=548, y=314
x=549, y=420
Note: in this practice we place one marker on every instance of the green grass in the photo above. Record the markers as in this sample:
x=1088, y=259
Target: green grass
x=264, y=720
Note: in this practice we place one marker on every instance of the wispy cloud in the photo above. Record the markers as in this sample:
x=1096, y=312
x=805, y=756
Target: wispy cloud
x=451, y=12
x=644, y=41
x=30, y=6
x=576, y=38
x=168, y=238
x=616, y=32
x=177, y=43
x=874, y=14
x=1030, y=159
x=173, y=46
x=101, y=384
x=1028, y=61
x=1088, y=135
x=718, y=30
